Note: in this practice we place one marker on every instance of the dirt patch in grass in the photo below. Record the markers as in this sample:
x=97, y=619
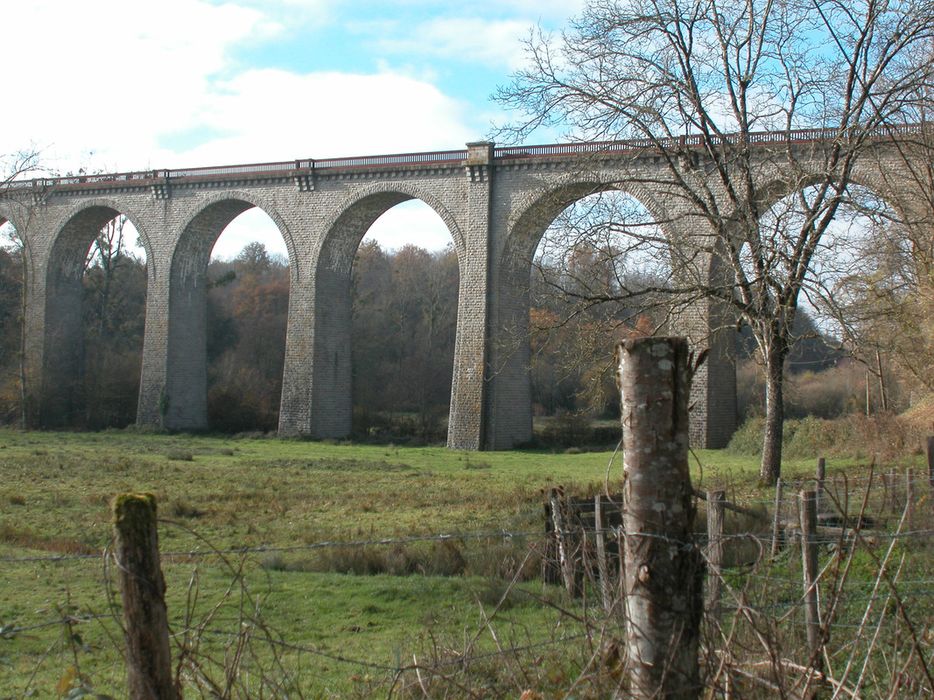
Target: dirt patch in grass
x=30, y=540
x=332, y=465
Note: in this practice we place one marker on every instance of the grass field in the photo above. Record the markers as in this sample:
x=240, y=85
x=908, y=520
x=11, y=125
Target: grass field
x=226, y=493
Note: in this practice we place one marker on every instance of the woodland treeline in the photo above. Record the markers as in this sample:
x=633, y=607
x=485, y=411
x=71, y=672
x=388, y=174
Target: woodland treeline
x=404, y=321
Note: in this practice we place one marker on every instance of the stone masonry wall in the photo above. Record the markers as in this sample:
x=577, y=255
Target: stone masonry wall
x=495, y=210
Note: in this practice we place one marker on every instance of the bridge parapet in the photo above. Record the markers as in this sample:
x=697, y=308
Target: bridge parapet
x=303, y=167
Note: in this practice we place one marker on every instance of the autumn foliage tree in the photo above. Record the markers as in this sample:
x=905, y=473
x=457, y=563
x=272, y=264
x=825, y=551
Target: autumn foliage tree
x=405, y=315
x=11, y=284
x=247, y=314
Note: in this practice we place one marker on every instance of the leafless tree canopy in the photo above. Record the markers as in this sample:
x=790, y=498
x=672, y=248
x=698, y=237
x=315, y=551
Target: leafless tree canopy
x=716, y=73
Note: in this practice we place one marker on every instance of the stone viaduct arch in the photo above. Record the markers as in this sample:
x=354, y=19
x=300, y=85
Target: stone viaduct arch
x=509, y=347
x=183, y=399
x=63, y=343
x=331, y=362
x=496, y=202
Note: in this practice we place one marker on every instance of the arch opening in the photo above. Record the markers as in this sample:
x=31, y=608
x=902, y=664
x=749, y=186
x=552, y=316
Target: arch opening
x=11, y=319
x=404, y=289
x=95, y=316
x=581, y=269
x=594, y=280
x=231, y=284
x=386, y=313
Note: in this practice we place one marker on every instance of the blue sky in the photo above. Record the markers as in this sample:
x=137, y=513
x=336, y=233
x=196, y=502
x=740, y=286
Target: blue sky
x=126, y=84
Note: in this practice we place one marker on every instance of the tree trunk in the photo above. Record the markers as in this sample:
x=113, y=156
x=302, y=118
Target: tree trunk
x=771, y=466
x=664, y=571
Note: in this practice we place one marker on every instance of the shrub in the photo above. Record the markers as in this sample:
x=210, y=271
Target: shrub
x=885, y=435
x=747, y=440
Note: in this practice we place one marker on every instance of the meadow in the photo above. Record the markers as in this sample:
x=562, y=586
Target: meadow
x=241, y=521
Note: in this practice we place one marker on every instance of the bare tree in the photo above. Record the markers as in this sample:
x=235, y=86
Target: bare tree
x=108, y=254
x=881, y=297
x=695, y=82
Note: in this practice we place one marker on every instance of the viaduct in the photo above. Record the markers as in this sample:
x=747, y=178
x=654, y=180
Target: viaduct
x=497, y=203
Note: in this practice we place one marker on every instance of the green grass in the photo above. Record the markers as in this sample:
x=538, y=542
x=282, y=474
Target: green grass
x=55, y=490
x=270, y=491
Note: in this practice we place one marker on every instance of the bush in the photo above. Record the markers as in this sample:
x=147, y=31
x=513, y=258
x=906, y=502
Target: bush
x=443, y=558
x=414, y=429
x=747, y=440
x=885, y=435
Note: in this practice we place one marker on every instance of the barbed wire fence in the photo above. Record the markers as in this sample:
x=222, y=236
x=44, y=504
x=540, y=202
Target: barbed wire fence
x=824, y=587
x=761, y=590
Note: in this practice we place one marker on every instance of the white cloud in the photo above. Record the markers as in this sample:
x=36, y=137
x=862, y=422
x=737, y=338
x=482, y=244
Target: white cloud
x=136, y=85
x=121, y=85
x=296, y=15
x=279, y=115
x=495, y=43
x=107, y=76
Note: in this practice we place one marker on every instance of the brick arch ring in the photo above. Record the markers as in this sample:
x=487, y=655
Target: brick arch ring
x=256, y=202
x=347, y=204
x=133, y=217
x=533, y=207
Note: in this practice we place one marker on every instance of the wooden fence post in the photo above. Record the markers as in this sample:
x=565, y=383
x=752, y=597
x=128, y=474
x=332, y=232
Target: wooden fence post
x=664, y=569
x=566, y=554
x=821, y=474
x=910, y=499
x=895, y=502
x=777, y=520
x=606, y=590
x=885, y=493
x=809, y=566
x=715, y=501
x=142, y=588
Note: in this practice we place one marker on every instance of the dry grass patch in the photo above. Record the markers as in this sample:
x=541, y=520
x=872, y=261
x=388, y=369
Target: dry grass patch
x=23, y=537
